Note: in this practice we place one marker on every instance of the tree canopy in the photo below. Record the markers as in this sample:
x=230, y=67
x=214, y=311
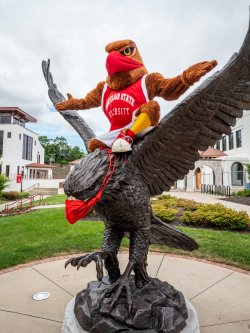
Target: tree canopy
x=58, y=150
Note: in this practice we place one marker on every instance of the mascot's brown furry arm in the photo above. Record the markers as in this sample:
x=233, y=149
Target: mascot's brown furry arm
x=127, y=95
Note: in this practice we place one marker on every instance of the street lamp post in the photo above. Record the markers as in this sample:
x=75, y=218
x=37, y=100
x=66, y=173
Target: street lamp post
x=22, y=173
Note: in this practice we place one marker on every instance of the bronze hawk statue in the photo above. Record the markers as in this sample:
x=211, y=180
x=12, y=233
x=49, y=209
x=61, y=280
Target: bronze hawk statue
x=125, y=182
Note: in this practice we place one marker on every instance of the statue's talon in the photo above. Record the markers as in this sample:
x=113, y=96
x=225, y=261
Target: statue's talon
x=117, y=288
x=84, y=260
x=123, y=285
x=71, y=261
x=67, y=263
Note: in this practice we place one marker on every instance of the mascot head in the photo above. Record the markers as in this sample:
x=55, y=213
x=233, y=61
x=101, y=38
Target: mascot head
x=124, y=64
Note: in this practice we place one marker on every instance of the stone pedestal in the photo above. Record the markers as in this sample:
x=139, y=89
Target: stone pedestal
x=156, y=307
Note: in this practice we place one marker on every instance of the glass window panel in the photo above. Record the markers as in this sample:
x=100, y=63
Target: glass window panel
x=27, y=147
x=231, y=141
x=237, y=174
x=224, y=143
x=1, y=143
x=238, y=139
x=5, y=119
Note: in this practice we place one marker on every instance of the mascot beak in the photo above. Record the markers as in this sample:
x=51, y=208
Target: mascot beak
x=117, y=62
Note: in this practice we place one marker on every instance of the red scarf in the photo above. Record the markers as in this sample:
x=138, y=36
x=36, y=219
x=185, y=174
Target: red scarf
x=77, y=209
x=117, y=62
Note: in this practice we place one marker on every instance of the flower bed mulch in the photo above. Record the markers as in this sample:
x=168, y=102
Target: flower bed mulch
x=239, y=200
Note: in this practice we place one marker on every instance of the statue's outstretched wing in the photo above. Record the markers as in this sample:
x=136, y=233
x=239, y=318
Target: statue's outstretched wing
x=72, y=117
x=170, y=150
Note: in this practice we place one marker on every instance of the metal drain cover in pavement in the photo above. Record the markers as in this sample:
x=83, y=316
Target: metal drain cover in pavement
x=41, y=296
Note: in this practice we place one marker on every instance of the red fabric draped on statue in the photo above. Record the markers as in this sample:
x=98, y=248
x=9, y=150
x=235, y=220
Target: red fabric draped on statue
x=77, y=209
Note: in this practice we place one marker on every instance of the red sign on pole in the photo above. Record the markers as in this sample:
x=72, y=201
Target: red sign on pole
x=19, y=178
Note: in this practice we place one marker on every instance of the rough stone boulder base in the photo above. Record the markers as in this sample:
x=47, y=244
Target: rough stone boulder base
x=157, y=307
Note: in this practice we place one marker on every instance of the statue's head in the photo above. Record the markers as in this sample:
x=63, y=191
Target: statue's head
x=85, y=180
x=124, y=64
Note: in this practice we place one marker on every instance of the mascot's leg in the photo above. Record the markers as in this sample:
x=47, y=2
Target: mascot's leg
x=143, y=121
x=148, y=115
x=93, y=144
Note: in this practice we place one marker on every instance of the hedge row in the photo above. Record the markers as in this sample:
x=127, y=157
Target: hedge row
x=244, y=193
x=217, y=215
x=13, y=195
x=168, y=208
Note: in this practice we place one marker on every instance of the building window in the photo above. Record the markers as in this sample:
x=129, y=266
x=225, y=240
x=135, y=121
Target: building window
x=5, y=119
x=8, y=135
x=1, y=143
x=231, y=141
x=217, y=145
x=7, y=172
x=38, y=158
x=18, y=169
x=35, y=142
x=237, y=174
x=20, y=136
x=238, y=139
x=224, y=143
x=27, y=147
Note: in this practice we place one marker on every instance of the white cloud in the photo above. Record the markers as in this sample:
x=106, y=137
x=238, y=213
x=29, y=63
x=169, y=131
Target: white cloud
x=171, y=35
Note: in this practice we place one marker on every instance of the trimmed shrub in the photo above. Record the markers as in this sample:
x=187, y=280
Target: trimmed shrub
x=244, y=193
x=22, y=195
x=172, y=202
x=163, y=213
x=216, y=215
x=13, y=195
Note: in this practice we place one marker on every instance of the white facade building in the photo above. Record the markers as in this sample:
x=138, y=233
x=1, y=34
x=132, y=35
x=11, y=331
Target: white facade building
x=237, y=147
x=228, y=168
x=19, y=146
x=20, y=150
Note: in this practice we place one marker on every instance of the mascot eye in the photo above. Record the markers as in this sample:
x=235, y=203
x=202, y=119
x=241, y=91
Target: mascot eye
x=91, y=188
x=128, y=51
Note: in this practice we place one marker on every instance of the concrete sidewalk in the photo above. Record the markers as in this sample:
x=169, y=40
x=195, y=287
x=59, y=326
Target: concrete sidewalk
x=208, y=198
x=220, y=295
x=196, y=196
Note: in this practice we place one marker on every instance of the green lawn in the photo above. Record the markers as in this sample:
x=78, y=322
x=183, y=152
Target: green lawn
x=227, y=247
x=45, y=233
x=54, y=200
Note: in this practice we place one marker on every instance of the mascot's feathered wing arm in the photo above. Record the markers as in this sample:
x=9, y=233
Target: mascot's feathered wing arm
x=72, y=117
x=170, y=150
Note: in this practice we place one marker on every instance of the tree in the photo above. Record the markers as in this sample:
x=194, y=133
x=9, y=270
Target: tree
x=59, y=150
x=3, y=183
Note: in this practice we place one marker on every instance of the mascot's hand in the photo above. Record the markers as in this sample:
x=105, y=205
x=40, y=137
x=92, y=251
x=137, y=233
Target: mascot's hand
x=195, y=72
x=66, y=105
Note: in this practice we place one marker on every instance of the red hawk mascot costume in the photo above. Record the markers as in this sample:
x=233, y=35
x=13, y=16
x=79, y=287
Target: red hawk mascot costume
x=127, y=95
